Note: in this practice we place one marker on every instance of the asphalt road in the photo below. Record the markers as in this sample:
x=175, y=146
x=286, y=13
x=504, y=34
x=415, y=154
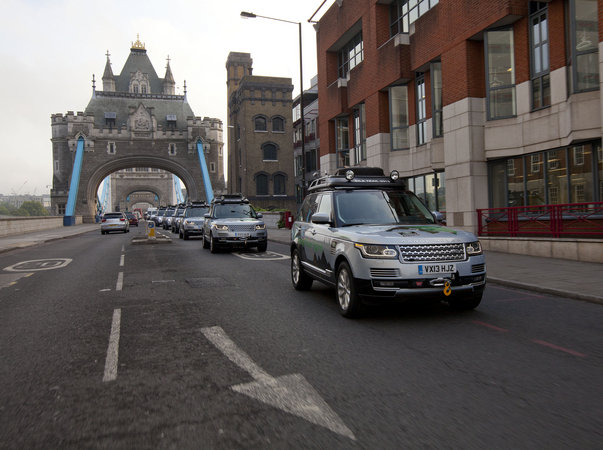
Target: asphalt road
x=108, y=345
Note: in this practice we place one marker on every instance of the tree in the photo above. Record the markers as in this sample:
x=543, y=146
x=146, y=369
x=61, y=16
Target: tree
x=32, y=209
x=4, y=211
x=10, y=208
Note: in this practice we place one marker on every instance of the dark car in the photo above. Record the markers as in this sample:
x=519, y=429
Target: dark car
x=132, y=219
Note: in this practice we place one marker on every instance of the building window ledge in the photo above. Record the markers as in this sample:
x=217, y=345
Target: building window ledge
x=401, y=39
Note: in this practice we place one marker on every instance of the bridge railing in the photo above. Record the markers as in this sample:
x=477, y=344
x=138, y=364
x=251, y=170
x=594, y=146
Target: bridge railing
x=566, y=220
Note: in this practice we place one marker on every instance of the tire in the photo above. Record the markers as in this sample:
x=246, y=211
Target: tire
x=102, y=232
x=185, y=235
x=180, y=234
x=262, y=247
x=213, y=247
x=466, y=303
x=300, y=279
x=350, y=305
x=205, y=243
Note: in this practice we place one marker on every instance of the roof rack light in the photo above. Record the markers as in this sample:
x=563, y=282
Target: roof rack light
x=349, y=175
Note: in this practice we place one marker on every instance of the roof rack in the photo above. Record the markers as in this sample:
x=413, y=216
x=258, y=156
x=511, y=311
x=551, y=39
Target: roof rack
x=230, y=198
x=358, y=177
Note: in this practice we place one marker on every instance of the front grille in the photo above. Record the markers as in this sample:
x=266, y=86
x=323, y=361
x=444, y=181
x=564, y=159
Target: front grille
x=385, y=273
x=241, y=228
x=477, y=268
x=432, y=252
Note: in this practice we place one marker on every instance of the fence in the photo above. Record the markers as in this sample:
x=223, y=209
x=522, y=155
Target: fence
x=568, y=220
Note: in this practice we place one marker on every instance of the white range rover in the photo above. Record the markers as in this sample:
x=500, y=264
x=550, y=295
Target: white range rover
x=373, y=240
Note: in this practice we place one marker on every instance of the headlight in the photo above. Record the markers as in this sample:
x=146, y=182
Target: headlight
x=220, y=227
x=189, y=222
x=376, y=251
x=473, y=248
x=260, y=227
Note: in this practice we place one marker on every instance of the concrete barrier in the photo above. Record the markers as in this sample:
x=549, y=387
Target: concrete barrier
x=587, y=250
x=10, y=226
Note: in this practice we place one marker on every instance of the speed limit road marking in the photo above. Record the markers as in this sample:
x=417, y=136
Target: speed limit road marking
x=39, y=264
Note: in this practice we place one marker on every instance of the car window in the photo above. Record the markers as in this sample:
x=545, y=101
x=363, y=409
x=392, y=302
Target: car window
x=380, y=207
x=195, y=212
x=113, y=216
x=309, y=207
x=325, y=204
x=242, y=210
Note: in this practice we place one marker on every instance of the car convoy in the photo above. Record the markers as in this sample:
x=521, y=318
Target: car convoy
x=359, y=231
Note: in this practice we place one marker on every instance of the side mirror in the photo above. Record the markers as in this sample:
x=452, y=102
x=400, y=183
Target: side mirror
x=320, y=218
x=438, y=216
x=207, y=215
x=259, y=215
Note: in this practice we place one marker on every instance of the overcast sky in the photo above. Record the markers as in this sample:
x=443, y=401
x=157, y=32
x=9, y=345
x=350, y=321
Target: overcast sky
x=49, y=50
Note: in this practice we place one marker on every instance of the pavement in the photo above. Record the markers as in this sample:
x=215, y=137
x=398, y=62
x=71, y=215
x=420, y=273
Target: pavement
x=562, y=277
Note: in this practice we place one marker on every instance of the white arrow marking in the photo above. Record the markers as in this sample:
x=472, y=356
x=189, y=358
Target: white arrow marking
x=290, y=393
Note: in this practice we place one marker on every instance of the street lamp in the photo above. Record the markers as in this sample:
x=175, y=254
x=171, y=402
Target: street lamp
x=249, y=15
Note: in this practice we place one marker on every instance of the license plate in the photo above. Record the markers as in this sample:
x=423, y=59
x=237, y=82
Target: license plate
x=435, y=269
x=242, y=235
x=113, y=225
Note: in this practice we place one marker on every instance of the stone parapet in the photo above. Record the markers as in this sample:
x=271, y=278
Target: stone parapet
x=586, y=250
x=18, y=225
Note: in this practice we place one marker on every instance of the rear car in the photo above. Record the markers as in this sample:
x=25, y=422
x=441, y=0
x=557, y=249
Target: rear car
x=132, y=219
x=193, y=217
x=114, y=221
x=233, y=223
x=373, y=240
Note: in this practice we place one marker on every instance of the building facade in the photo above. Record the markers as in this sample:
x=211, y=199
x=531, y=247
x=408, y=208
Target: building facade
x=136, y=120
x=477, y=103
x=260, y=144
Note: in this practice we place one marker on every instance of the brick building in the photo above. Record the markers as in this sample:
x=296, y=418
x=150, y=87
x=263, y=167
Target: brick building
x=477, y=103
x=260, y=144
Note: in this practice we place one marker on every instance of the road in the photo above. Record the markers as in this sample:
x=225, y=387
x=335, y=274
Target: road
x=109, y=345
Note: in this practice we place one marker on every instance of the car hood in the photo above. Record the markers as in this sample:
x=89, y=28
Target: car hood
x=235, y=220
x=404, y=234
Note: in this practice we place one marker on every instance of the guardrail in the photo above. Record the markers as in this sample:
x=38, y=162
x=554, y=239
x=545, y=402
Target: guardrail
x=567, y=220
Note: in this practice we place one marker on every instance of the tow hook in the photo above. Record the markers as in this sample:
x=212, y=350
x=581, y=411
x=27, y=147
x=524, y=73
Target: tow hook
x=442, y=282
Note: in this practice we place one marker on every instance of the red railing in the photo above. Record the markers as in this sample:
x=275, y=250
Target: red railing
x=568, y=220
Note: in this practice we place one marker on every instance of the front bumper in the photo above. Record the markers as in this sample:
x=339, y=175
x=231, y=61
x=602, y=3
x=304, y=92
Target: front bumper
x=229, y=239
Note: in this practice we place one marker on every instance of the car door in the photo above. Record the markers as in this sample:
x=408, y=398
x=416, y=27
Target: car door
x=320, y=233
x=305, y=238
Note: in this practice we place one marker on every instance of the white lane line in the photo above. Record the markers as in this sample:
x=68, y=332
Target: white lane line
x=113, y=349
x=121, y=260
x=123, y=248
x=120, y=281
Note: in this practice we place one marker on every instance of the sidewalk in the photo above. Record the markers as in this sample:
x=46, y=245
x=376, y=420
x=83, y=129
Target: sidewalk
x=565, y=278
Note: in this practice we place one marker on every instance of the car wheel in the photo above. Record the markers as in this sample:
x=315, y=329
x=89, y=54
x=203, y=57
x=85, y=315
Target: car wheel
x=185, y=235
x=300, y=279
x=213, y=247
x=465, y=304
x=349, y=303
x=262, y=247
x=180, y=234
x=205, y=243
x=102, y=232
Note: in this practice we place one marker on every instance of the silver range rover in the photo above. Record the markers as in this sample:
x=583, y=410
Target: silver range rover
x=232, y=222
x=376, y=242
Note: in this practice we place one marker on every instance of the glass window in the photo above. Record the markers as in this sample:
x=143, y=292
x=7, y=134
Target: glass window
x=359, y=134
x=441, y=190
x=421, y=110
x=581, y=174
x=515, y=182
x=325, y=204
x=430, y=191
x=278, y=124
x=501, y=74
x=420, y=188
x=498, y=185
x=279, y=184
x=436, y=100
x=311, y=160
x=269, y=152
x=261, y=181
x=398, y=102
x=557, y=177
x=539, y=38
x=260, y=124
x=309, y=207
x=350, y=55
x=584, y=44
x=535, y=179
x=343, y=142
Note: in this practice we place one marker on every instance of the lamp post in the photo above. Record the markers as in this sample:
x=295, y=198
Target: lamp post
x=248, y=15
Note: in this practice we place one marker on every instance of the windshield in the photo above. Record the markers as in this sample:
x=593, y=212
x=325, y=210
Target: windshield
x=242, y=210
x=380, y=208
x=196, y=212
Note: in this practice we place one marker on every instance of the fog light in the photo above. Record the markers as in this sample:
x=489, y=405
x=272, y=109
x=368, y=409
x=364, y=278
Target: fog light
x=394, y=175
x=349, y=175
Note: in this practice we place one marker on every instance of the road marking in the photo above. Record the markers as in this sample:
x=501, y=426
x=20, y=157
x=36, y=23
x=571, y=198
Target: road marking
x=163, y=281
x=121, y=260
x=261, y=256
x=488, y=325
x=39, y=264
x=556, y=347
x=120, y=281
x=9, y=279
x=290, y=393
x=113, y=349
x=123, y=248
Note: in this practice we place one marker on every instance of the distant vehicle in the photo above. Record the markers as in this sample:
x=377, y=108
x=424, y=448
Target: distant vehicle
x=132, y=218
x=138, y=212
x=232, y=222
x=115, y=221
x=192, y=220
